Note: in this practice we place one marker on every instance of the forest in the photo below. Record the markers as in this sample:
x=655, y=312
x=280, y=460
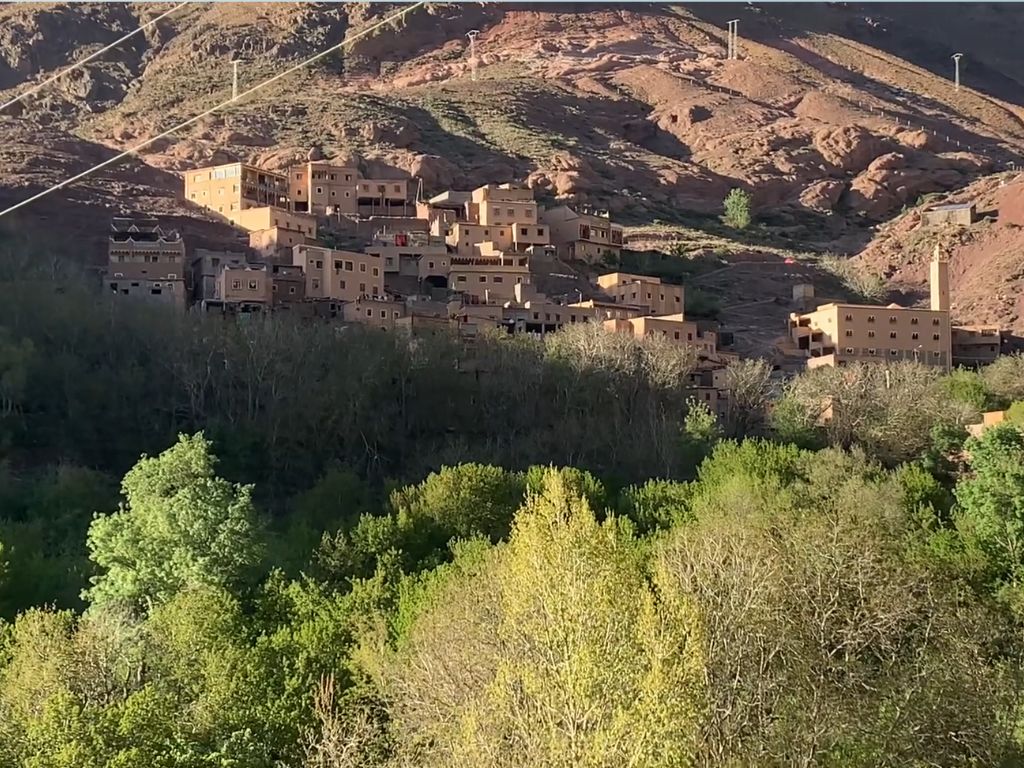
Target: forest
x=268, y=544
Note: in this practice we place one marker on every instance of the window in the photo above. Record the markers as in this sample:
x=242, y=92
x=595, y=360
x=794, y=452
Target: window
x=483, y=278
x=348, y=177
x=935, y=337
x=914, y=335
x=383, y=314
x=236, y=284
x=274, y=287
x=871, y=334
x=319, y=264
x=369, y=313
x=498, y=279
x=337, y=263
x=333, y=177
x=319, y=190
x=894, y=352
x=536, y=315
x=892, y=318
x=871, y=318
x=362, y=288
x=461, y=278
x=376, y=272
x=913, y=321
x=540, y=231
x=675, y=334
x=849, y=333
x=935, y=321
x=529, y=215
x=362, y=267
x=341, y=284
x=333, y=193
x=511, y=211
x=430, y=265
x=349, y=266
x=316, y=284
x=871, y=351
x=398, y=187
x=298, y=177
x=892, y=334
x=496, y=211
x=935, y=354
x=849, y=350
x=524, y=231
x=291, y=289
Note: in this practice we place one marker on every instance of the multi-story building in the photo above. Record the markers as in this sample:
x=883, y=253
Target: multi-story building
x=316, y=186
x=837, y=334
x=381, y=311
x=442, y=210
x=276, y=243
x=268, y=217
x=489, y=278
x=339, y=275
x=382, y=197
x=976, y=345
x=244, y=284
x=287, y=284
x=674, y=328
x=413, y=254
x=235, y=187
x=206, y=268
x=640, y=290
x=495, y=204
x=585, y=236
x=611, y=310
x=145, y=262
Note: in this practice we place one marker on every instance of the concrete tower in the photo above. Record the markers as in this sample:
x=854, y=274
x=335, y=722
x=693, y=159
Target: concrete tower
x=939, y=281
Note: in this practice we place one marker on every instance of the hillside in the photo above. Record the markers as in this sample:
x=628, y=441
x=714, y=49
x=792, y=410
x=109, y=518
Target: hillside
x=986, y=259
x=834, y=116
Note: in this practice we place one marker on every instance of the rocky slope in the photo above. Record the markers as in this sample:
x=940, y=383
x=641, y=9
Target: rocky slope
x=986, y=259
x=834, y=116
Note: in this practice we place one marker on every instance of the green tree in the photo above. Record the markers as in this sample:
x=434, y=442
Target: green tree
x=1015, y=413
x=968, y=388
x=553, y=651
x=990, y=501
x=180, y=527
x=737, y=209
x=1005, y=378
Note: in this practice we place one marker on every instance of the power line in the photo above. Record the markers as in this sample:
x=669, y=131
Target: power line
x=90, y=57
x=211, y=110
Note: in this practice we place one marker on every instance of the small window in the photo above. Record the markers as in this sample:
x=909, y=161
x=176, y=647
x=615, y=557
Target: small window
x=376, y=272
x=398, y=187
x=483, y=278
x=369, y=313
x=914, y=335
x=871, y=334
x=430, y=265
x=849, y=333
x=936, y=321
x=362, y=267
x=383, y=314
x=849, y=350
x=524, y=231
x=394, y=314
x=892, y=334
x=319, y=264
x=892, y=318
x=319, y=190
x=316, y=284
x=342, y=285
x=871, y=351
x=236, y=284
x=913, y=321
x=252, y=285
x=540, y=231
x=461, y=278
x=349, y=266
x=935, y=337
x=362, y=288
x=291, y=289
x=498, y=279
x=871, y=318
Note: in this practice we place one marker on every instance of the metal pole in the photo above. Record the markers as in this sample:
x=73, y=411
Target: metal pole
x=734, y=38
x=956, y=71
x=472, y=35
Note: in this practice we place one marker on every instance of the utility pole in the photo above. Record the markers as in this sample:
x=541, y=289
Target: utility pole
x=472, y=35
x=234, y=78
x=956, y=71
x=732, y=52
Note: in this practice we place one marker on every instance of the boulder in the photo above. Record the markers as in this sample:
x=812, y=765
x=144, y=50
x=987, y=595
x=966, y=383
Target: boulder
x=888, y=161
x=398, y=132
x=436, y=172
x=822, y=195
x=920, y=139
x=849, y=148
